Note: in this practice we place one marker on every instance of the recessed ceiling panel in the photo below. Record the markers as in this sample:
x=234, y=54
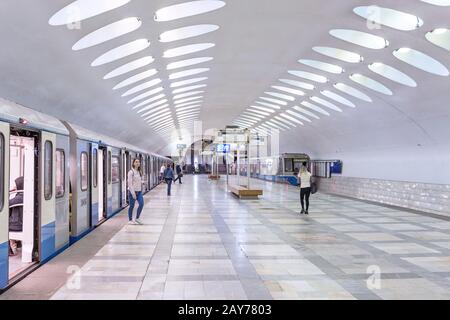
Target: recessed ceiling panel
x=289, y=90
x=139, y=77
x=146, y=95
x=83, y=9
x=370, y=83
x=338, y=98
x=326, y=104
x=352, y=92
x=189, y=88
x=314, y=107
x=186, y=82
x=142, y=86
x=121, y=52
x=439, y=37
x=187, y=73
x=392, y=74
x=323, y=66
x=343, y=55
x=131, y=66
x=187, y=9
x=188, y=62
x=298, y=84
x=388, y=17
x=280, y=95
x=187, y=32
x=184, y=50
x=308, y=76
x=421, y=61
x=359, y=38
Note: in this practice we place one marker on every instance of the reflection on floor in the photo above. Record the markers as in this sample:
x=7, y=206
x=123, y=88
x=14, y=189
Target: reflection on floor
x=203, y=243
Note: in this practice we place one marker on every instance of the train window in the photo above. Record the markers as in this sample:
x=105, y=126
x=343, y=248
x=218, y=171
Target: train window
x=123, y=167
x=115, y=169
x=60, y=173
x=48, y=170
x=84, y=171
x=109, y=167
x=2, y=171
x=94, y=167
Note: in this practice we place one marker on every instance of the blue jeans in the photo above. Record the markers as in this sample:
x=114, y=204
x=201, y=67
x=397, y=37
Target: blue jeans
x=169, y=185
x=140, y=200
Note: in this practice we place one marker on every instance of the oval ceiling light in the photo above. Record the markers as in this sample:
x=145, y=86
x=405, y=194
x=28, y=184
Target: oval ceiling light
x=141, y=76
x=389, y=17
x=263, y=109
x=121, y=52
x=109, y=32
x=194, y=106
x=191, y=48
x=190, y=103
x=187, y=94
x=83, y=9
x=327, y=104
x=308, y=113
x=188, y=62
x=359, y=38
x=289, y=90
x=270, y=105
x=323, y=66
x=278, y=123
x=157, y=115
x=131, y=66
x=251, y=115
x=153, y=105
x=280, y=102
x=187, y=9
x=392, y=74
x=352, y=92
x=333, y=96
x=153, y=110
x=343, y=55
x=187, y=32
x=259, y=112
x=370, y=83
x=146, y=102
x=186, y=82
x=439, y=37
x=190, y=88
x=283, y=120
x=421, y=61
x=298, y=84
x=295, y=114
x=312, y=106
x=177, y=102
x=280, y=95
x=142, y=86
x=146, y=95
x=290, y=118
x=187, y=73
x=308, y=76
x=441, y=3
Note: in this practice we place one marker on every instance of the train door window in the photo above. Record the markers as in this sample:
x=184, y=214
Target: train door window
x=123, y=167
x=84, y=171
x=115, y=169
x=48, y=170
x=109, y=167
x=288, y=165
x=2, y=171
x=60, y=173
x=94, y=167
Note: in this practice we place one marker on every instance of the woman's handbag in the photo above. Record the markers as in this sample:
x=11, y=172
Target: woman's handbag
x=313, y=187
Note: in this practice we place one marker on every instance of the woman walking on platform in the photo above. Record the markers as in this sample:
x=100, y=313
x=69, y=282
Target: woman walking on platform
x=168, y=177
x=305, y=187
x=135, y=191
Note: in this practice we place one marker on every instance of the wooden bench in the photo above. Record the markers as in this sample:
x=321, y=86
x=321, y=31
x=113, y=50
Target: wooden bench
x=244, y=192
x=213, y=177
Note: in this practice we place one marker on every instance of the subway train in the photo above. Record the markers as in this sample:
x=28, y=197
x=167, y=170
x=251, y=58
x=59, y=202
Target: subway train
x=70, y=179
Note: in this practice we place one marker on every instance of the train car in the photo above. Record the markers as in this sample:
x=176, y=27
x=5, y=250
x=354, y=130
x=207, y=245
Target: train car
x=58, y=182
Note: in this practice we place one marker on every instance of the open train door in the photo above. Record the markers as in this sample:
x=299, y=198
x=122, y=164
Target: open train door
x=95, y=214
x=4, y=203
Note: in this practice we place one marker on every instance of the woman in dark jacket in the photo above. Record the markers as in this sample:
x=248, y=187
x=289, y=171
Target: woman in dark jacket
x=169, y=176
x=16, y=214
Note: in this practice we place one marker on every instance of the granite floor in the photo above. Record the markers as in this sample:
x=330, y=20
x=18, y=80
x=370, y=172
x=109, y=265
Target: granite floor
x=203, y=243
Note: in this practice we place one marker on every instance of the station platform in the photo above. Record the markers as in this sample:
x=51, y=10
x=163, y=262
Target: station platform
x=203, y=243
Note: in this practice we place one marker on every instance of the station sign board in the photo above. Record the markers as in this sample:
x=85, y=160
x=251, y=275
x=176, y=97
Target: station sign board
x=223, y=148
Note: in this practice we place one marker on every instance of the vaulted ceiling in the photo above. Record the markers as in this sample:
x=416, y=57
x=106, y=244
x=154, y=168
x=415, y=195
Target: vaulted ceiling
x=386, y=97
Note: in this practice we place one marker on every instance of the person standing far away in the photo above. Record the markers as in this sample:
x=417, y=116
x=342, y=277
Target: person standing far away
x=305, y=187
x=168, y=177
x=179, y=173
x=161, y=171
x=135, y=191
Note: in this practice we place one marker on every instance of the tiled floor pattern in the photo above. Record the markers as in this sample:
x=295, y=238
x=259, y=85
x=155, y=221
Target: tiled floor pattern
x=203, y=243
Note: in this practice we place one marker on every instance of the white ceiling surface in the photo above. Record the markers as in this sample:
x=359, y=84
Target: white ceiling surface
x=257, y=43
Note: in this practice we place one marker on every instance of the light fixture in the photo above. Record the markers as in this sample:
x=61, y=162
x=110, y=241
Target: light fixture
x=83, y=9
x=142, y=86
x=188, y=62
x=323, y=66
x=109, y=32
x=143, y=103
x=187, y=9
x=187, y=32
x=131, y=66
x=388, y=17
x=370, y=83
x=187, y=82
x=343, y=55
x=121, y=52
x=392, y=74
x=331, y=95
x=289, y=90
x=299, y=84
x=188, y=49
x=136, y=78
x=421, y=61
x=308, y=75
x=146, y=95
x=280, y=102
x=304, y=111
x=280, y=95
x=360, y=38
x=439, y=37
x=187, y=73
x=178, y=102
x=189, y=88
x=352, y=92
x=314, y=107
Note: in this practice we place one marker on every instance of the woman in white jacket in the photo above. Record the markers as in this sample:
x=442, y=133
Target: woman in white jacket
x=135, y=191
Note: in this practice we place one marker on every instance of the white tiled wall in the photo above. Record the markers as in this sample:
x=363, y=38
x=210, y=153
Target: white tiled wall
x=434, y=198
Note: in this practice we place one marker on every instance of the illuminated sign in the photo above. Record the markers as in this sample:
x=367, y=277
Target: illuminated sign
x=181, y=146
x=223, y=148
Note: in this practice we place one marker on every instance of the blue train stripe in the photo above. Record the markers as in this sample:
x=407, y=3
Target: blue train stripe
x=48, y=241
x=4, y=259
